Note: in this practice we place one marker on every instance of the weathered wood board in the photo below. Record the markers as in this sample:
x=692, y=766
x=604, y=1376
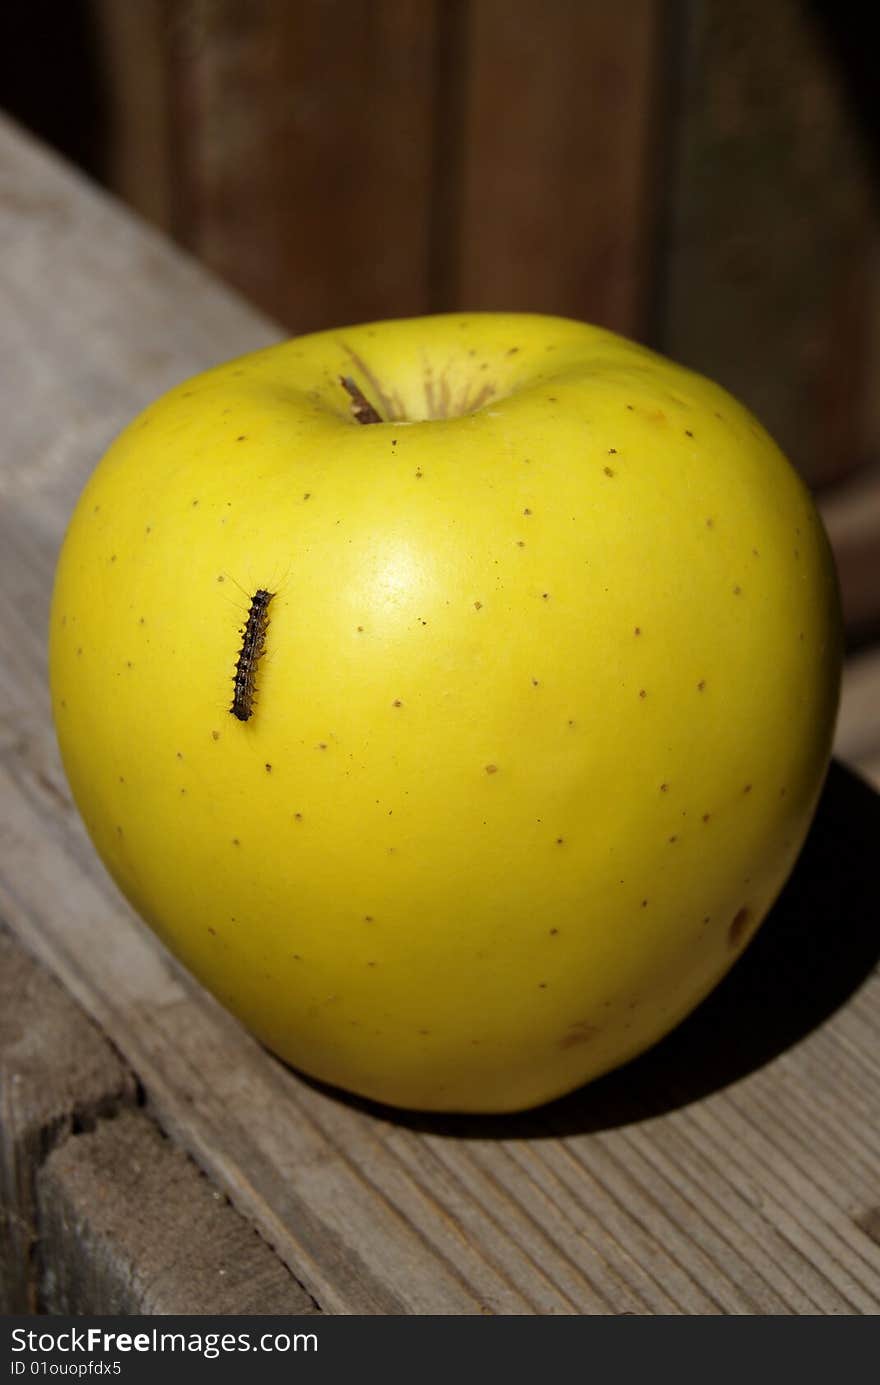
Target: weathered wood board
x=732, y=1170
x=99, y=1212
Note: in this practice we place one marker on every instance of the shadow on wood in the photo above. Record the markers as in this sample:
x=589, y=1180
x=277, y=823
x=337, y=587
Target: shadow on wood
x=817, y=945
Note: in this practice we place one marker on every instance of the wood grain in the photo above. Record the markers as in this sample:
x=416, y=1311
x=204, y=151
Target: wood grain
x=305, y=152
x=57, y=1073
x=731, y=1170
x=560, y=159
x=129, y=1225
x=770, y=278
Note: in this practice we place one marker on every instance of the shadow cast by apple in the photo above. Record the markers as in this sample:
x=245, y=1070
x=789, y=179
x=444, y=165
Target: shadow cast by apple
x=818, y=944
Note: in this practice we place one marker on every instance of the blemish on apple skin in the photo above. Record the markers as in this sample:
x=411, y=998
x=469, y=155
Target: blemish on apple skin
x=579, y=1033
x=608, y=471
x=478, y=605
x=491, y=769
x=738, y=927
x=215, y=735
x=643, y=692
x=701, y=685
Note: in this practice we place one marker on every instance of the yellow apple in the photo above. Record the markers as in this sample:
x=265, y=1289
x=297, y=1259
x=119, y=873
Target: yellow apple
x=549, y=670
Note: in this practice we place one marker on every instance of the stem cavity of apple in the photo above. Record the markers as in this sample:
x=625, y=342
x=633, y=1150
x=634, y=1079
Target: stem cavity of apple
x=360, y=406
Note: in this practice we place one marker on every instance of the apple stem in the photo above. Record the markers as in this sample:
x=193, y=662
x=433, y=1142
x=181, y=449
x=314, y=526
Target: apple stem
x=360, y=405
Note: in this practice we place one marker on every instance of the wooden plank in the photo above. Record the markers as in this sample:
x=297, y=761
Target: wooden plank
x=732, y=1170
x=559, y=159
x=771, y=272
x=129, y=1225
x=57, y=1074
x=140, y=142
x=304, y=152
x=851, y=513
x=857, y=738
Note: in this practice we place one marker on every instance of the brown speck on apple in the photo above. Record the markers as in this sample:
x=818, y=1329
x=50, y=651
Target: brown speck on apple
x=738, y=927
x=491, y=769
x=579, y=1033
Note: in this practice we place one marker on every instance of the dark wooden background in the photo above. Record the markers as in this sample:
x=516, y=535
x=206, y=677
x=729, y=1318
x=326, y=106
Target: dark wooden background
x=700, y=174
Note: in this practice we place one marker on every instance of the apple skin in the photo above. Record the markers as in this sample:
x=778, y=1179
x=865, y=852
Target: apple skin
x=544, y=713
